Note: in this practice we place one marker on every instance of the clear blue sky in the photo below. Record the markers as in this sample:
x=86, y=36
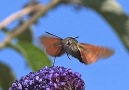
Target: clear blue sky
x=64, y=21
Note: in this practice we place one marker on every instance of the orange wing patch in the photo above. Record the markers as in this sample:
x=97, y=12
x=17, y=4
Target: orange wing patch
x=52, y=45
x=91, y=53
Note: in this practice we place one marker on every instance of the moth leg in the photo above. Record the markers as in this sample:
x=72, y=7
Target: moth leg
x=55, y=56
x=68, y=56
x=54, y=61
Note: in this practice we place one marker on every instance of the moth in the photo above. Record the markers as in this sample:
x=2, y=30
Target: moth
x=85, y=53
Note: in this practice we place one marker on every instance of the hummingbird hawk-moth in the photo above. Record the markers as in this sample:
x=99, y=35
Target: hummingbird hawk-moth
x=85, y=53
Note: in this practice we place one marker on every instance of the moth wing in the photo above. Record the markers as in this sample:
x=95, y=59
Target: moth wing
x=90, y=53
x=52, y=45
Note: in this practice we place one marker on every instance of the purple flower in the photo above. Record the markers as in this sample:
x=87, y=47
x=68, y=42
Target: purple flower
x=50, y=78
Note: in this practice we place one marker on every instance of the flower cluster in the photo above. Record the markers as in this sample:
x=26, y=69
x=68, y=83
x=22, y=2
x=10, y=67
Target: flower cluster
x=50, y=78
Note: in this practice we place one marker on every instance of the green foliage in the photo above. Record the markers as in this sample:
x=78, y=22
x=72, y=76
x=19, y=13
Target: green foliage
x=5, y=30
x=26, y=36
x=112, y=12
x=36, y=58
x=6, y=76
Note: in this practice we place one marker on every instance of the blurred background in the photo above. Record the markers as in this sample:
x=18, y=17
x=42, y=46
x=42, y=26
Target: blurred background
x=88, y=22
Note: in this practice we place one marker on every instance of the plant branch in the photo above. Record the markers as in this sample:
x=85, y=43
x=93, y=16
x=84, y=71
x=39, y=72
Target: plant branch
x=23, y=27
x=19, y=14
x=113, y=13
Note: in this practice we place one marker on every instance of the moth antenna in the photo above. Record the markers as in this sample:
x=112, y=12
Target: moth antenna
x=52, y=34
x=68, y=56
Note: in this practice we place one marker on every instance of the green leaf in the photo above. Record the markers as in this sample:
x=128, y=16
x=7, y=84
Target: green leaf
x=6, y=76
x=26, y=36
x=36, y=58
x=5, y=30
x=113, y=13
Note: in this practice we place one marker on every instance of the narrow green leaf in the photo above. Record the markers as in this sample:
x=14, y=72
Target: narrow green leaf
x=36, y=58
x=6, y=76
x=26, y=36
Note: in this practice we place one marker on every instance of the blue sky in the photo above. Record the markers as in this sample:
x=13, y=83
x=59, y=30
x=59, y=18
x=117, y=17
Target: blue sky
x=64, y=21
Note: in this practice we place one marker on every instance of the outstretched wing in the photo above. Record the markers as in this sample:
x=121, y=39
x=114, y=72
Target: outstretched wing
x=52, y=45
x=90, y=53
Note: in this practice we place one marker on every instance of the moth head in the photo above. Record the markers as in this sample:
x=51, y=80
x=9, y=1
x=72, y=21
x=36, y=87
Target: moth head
x=69, y=41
